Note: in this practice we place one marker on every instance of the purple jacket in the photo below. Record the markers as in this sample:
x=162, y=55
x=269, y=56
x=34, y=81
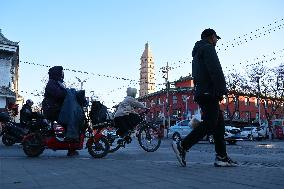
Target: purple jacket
x=54, y=95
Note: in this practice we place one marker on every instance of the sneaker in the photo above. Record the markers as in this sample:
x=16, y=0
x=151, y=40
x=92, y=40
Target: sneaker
x=224, y=162
x=180, y=152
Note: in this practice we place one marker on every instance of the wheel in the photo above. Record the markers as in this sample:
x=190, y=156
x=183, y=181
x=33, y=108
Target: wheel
x=32, y=146
x=7, y=141
x=250, y=137
x=98, y=149
x=149, y=138
x=176, y=136
x=232, y=142
x=113, y=139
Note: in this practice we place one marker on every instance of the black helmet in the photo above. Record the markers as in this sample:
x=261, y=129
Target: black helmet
x=29, y=101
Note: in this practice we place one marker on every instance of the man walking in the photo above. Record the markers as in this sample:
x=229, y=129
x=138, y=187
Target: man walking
x=210, y=86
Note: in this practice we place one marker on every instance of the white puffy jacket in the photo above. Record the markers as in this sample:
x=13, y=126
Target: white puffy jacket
x=127, y=106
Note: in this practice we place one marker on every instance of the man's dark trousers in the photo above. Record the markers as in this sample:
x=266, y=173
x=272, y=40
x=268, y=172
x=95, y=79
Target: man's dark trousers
x=212, y=123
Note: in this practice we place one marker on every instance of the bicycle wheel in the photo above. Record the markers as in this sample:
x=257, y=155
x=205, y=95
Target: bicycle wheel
x=149, y=138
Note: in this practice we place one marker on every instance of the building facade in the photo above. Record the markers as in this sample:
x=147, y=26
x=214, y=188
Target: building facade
x=147, y=72
x=239, y=108
x=9, y=73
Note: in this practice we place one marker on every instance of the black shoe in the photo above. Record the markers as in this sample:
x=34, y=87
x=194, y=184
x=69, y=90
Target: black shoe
x=72, y=153
x=180, y=152
x=127, y=139
x=224, y=162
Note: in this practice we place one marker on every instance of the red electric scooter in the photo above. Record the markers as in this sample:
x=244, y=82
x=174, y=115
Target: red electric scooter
x=51, y=136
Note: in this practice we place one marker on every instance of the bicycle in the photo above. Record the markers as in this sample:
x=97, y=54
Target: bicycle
x=148, y=134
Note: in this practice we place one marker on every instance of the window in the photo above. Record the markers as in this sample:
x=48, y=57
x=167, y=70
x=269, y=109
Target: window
x=256, y=115
x=159, y=101
x=226, y=114
x=274, y=106
x=175, y=112
x=256, y=102
x=184, y=98
x=237, y=115
x=247, y=115
x=174, y=99
x=246, y=101
x=236, y=101
x=152, y=103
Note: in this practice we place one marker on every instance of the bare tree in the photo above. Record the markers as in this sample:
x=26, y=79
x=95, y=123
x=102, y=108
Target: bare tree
x=236, y=84
x=264, y=83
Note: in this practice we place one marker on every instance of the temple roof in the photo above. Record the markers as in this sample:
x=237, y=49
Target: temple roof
x=5, y=41
x=147, y=52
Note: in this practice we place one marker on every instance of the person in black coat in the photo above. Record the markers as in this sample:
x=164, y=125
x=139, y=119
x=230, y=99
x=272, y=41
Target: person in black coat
x=210, y=86
x=55, y=93
x=26, y=113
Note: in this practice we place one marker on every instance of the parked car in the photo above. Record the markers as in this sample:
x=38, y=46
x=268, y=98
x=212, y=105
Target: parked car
x=183, y=128
x=262, y=132
x=180, y=130
x=278, y=128
x=232, y=135
x=249, y=132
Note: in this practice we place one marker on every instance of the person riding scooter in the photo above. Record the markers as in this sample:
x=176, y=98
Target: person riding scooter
x=55, y=92
x=26, y=113
x=60, y=104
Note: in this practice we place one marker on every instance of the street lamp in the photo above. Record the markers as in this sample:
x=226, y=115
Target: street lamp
x=186, y=108
x=81, y=82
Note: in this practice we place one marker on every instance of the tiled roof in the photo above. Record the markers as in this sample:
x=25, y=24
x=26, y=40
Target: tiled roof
x=163, y=91
x=186, y=78
x=5, y=41
x=5, y=91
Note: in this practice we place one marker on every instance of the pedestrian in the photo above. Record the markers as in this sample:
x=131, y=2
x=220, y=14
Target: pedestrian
x=210, y=86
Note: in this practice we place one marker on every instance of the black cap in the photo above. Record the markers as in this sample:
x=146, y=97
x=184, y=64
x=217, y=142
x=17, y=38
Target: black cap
x=208, y=32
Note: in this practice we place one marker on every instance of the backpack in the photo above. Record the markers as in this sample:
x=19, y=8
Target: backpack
x=98, y=113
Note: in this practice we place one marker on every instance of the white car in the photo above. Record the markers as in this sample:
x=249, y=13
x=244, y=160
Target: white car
x=232, y=135
x=180, y=130
x=249, y=133
x=183, y=128
x=262, y=132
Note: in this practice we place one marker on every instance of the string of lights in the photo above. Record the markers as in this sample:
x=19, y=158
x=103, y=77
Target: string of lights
x=237, y=41
x=252, y=35
x=260, y=60
x=79, y=71
x=263, y=31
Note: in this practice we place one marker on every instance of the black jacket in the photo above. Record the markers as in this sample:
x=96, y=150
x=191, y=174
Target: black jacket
x=207, y=72
x=26, y=114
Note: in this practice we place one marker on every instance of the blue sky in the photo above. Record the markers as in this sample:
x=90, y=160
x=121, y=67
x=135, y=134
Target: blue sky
x=108, y=37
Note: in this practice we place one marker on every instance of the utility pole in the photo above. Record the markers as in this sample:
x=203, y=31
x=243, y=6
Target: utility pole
x=258, y=95
x=165, y=71
x=81, y=82
x=258, y=99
